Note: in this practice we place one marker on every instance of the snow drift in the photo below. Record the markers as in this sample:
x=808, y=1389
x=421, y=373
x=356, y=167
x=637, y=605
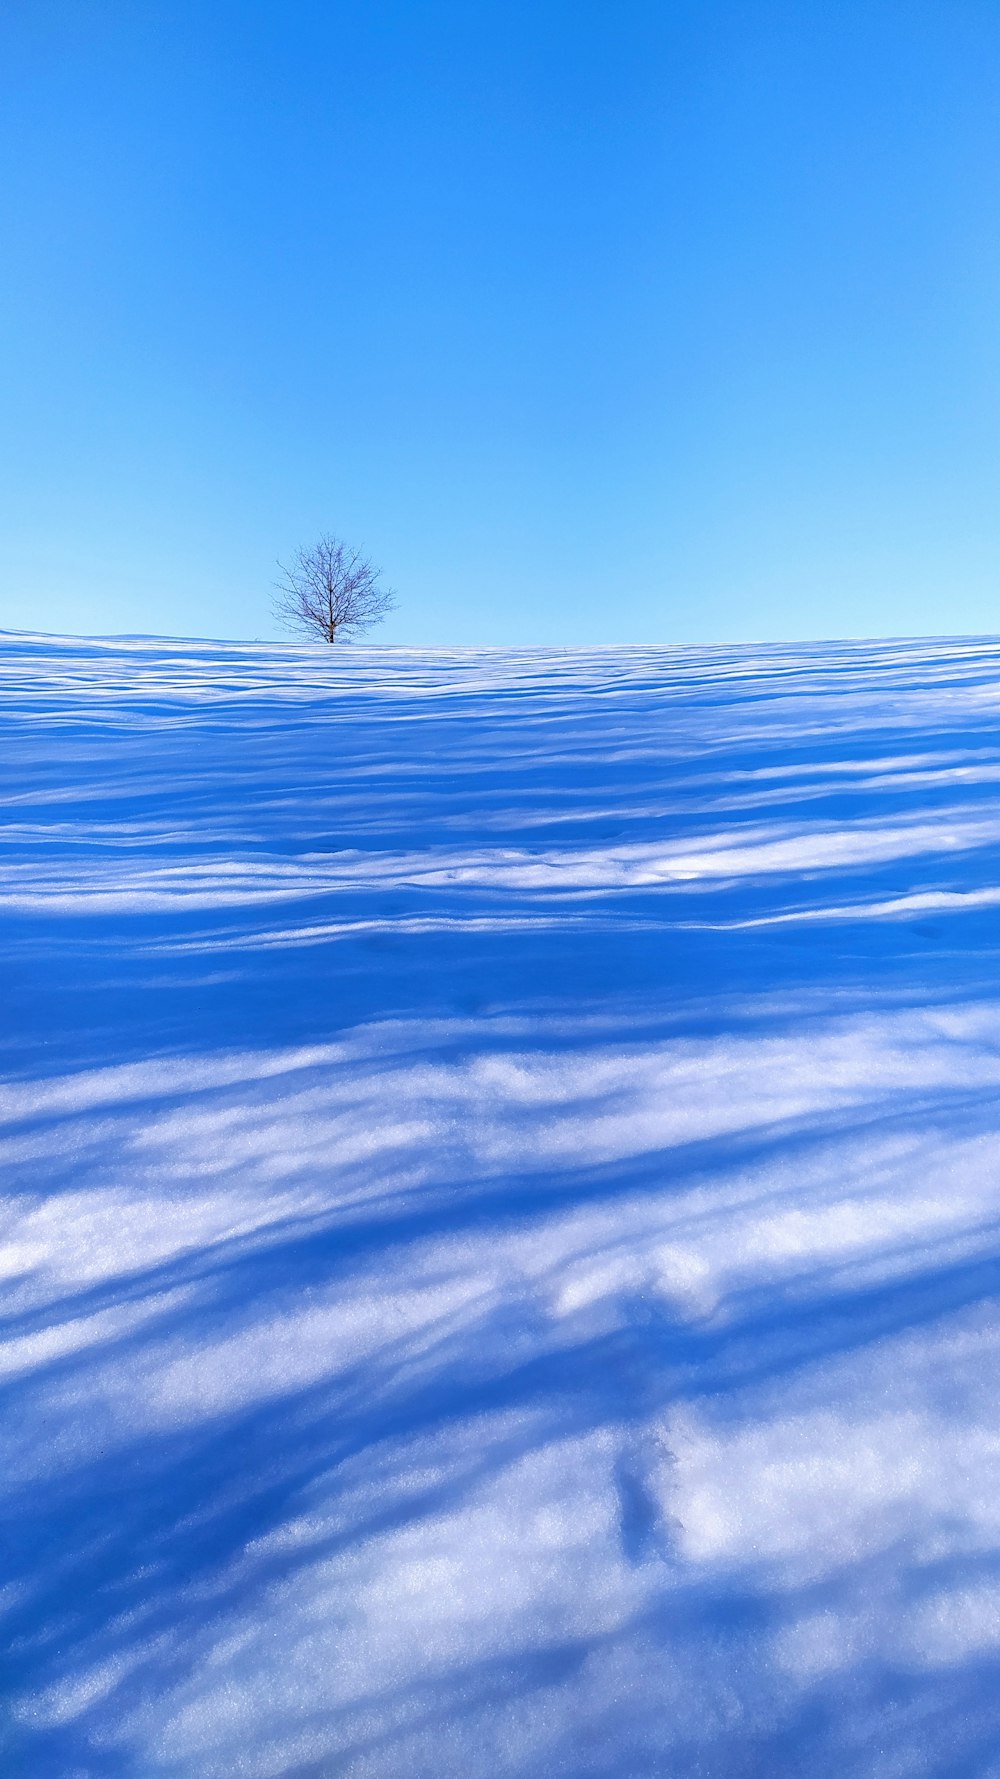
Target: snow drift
x=501, y=1225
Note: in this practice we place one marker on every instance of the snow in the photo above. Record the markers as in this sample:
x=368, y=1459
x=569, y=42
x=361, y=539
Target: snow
x=500, y=1235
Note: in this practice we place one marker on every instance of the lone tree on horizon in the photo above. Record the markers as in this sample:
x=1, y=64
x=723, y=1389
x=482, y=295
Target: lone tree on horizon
x=331, y=591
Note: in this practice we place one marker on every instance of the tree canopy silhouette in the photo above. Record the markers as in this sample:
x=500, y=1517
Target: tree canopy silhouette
x=330, y=591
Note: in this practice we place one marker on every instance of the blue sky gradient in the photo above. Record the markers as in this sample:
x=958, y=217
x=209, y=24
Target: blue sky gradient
x=593, y=323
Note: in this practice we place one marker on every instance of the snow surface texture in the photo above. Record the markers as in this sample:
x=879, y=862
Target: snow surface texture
x=501, y=1234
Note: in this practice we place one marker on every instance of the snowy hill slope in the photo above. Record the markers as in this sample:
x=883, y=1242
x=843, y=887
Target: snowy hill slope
x=501, y=1226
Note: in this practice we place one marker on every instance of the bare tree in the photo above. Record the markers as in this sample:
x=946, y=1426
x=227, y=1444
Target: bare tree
x=331, y=591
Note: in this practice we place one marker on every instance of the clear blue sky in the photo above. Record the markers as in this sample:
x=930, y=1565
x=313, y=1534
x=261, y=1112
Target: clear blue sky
x=607, y=322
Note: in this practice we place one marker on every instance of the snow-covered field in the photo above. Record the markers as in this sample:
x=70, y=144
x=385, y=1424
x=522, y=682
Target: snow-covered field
x=502, y=1212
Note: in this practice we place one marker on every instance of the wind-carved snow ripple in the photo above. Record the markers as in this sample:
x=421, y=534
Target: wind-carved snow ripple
x=525, y=1306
